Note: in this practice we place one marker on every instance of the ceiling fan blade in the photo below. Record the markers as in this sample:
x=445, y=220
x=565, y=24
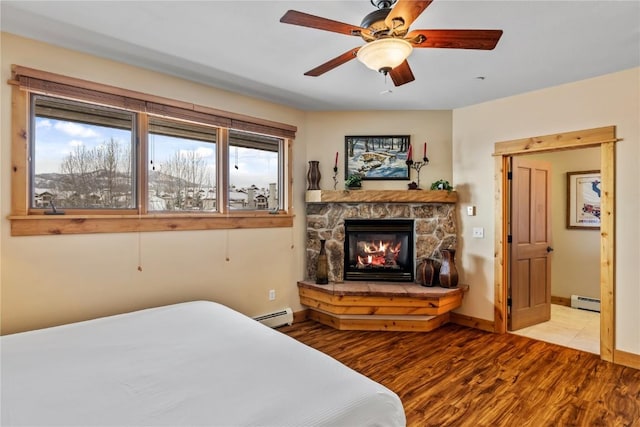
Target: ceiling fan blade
x=456, y=39
x=305, y=20
x=404, y=13
x=330, y=65
x=402, y=74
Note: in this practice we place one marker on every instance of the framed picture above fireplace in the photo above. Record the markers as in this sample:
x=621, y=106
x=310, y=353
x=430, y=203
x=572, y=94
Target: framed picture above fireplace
x=377, y=157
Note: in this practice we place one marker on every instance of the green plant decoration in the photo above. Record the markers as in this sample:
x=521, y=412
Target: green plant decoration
x=353, y=181
x=441, y=184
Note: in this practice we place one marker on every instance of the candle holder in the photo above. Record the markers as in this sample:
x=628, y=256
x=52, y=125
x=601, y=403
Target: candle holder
x=417, y=166
x=335, y=177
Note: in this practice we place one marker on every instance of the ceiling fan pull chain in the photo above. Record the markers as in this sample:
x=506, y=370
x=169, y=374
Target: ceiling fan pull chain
x=387, y=90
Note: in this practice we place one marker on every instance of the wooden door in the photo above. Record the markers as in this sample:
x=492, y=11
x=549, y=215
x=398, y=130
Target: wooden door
x=530, y=254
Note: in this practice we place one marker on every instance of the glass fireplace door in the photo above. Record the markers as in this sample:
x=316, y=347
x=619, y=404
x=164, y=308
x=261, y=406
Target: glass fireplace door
x=379, y=250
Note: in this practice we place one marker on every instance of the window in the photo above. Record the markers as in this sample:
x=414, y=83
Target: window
x=111, y=160
x=256, y=171
x=182, y=166
x=82, y=155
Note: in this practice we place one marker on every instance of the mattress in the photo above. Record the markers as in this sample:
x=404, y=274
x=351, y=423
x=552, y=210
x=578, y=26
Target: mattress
x=197, y=364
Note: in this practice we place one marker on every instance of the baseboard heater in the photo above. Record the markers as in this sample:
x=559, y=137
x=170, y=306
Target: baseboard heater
x=585, y=303
x=277, y=318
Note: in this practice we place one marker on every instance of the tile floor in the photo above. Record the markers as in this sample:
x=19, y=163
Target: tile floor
x=568, y=327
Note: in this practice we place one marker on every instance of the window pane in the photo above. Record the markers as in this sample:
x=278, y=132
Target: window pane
x=182, y=166
x=81, y=156
x=255, y=171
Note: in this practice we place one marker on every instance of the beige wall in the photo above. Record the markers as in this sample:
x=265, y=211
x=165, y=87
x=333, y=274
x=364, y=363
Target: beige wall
x=48, y=280
x=612, y=99
x=575, y=267
x=326, y=132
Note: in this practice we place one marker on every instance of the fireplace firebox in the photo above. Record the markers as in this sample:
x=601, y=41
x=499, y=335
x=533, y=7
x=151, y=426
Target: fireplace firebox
x=379, y=249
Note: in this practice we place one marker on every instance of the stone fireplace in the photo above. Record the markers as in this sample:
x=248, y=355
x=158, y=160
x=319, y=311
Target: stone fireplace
x=432, y=214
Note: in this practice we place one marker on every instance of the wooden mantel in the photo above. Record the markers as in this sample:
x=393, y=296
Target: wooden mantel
x=381, y=196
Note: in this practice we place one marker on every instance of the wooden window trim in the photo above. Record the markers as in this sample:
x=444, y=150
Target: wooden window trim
x=31, y=222
x=46, y=83
x=38, y=225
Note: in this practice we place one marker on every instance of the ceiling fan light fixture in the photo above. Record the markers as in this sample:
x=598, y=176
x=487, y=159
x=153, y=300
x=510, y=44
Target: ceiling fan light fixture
x=384, y=55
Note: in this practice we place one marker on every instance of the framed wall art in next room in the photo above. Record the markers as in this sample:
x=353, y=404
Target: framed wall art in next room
x=583, y=199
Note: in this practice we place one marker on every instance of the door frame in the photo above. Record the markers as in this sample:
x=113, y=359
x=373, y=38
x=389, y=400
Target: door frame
x=605, y=138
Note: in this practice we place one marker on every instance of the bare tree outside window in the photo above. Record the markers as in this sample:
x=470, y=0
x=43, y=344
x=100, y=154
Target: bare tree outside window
x=188, y=181
x=82, y=156
x=96, y=178
x=183, y=166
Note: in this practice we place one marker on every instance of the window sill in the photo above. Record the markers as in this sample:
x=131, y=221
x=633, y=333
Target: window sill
x=43, y=225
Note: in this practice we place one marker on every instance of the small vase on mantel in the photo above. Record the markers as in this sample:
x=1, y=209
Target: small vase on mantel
x=322, y=266
x=448, y=270
x=313, y=175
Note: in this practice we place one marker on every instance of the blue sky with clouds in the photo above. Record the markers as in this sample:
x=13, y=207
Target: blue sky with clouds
x=55, y=139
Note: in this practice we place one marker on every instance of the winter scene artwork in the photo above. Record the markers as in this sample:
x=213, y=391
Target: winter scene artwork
x=377, y=157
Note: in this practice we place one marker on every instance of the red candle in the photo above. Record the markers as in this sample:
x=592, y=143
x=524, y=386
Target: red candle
x=425, y=150
x=409, y=153
x=336, y=165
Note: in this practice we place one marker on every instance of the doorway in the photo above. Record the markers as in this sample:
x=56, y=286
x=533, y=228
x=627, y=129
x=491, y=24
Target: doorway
x=574, y=259
x=603, y=137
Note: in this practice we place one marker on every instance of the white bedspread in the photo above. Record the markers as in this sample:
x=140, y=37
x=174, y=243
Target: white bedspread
x=190, y=364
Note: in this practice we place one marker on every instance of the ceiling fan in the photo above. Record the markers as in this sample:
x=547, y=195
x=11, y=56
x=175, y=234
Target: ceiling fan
x=388, y=39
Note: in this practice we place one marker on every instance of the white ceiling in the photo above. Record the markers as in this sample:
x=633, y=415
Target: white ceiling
x=241, y=46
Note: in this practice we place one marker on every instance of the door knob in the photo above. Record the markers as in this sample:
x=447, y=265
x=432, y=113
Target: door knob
x=549, y=249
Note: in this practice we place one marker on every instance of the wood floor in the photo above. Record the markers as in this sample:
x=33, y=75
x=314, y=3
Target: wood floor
x=457, y=376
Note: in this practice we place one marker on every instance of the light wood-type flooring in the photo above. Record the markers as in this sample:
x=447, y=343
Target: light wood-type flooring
x=568, y=327
x=458, y=376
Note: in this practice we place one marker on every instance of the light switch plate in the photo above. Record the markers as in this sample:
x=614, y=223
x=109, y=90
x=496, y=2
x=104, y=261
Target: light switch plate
x=471, y=210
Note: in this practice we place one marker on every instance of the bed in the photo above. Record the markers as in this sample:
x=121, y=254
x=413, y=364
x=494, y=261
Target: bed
x=198, y=364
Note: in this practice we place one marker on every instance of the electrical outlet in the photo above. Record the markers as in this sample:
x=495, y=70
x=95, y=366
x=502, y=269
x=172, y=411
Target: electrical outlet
x=478, y=232
x=272, y=294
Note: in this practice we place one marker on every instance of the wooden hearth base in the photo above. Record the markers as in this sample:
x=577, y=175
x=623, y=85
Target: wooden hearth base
x=380, y=306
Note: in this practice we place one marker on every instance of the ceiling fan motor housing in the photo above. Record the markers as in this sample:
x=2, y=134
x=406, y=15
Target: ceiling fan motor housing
x=374, y=22
x=383, y=4
x=377, y=28
x=375, y=18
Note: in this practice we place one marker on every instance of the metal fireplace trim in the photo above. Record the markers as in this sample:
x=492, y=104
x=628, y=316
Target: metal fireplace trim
x=380, y=225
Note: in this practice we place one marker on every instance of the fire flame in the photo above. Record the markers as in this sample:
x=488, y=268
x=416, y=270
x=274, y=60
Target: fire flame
x=382, y=254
